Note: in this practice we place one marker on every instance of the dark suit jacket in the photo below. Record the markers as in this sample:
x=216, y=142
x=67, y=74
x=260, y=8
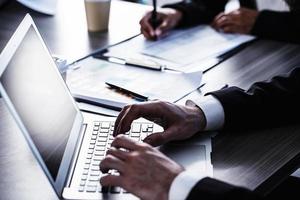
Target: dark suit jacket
x=270, y=103
x=282, y=26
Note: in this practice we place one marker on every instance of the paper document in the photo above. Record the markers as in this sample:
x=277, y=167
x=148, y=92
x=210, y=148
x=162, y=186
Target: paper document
x=167, y=86
x=88, y=78
x=181, y=48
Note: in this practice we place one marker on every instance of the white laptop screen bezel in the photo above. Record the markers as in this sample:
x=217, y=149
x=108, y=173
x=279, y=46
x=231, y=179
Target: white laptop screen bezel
x=5, y=57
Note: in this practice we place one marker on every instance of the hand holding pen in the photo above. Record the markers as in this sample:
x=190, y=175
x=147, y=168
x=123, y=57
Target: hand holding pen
x=156, y=23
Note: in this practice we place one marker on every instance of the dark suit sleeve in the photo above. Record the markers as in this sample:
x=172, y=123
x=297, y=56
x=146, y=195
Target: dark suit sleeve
x=211, y=189
x=265, y=104
x=198, y=11
x=282, y=26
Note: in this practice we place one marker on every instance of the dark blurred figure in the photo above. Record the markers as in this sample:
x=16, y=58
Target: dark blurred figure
x=271, y=19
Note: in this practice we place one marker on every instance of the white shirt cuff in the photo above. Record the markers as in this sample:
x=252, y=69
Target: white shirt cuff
x=212, y=109
x=183, y=184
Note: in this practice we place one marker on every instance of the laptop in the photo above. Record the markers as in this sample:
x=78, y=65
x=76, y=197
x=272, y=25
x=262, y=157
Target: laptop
x=69, y=144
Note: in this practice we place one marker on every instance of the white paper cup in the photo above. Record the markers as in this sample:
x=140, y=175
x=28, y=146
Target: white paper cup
x=97, y=14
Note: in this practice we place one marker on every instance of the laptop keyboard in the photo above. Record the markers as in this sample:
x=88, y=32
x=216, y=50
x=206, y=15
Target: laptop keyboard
x=100, y=141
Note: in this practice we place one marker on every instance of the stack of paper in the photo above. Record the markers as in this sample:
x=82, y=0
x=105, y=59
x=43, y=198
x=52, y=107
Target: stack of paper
x=181, y=49
x=89, y=78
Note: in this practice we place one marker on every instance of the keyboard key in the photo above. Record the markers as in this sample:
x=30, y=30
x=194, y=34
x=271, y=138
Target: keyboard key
x=89, y=156
x=85, y=172
x=96, y=123
x=94, y=178
x=150, y=129
x=150, y=125
x=105, y=125
x=92, y=146
x=95, y=132
x=102, y=139
x=95, y=168
x=115, y=172
x=86, y=166
x=90, y=151
x=94, y=137
x=87, y=161
x=103, y=134
x=135, y=134
x=135, y=128
x=104, y=130
x=101, y=143
x=84, y=177
x=95, y=173
x=82, y=183
x=81, y=189
x=144, y=128
x=96, y=163
x=93, y=142
x=92, y=184
x=98, y=158
x=91, y=188
x=100, y=148
x=99, y=153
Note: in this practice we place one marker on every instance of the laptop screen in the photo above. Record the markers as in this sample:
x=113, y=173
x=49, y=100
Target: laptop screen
x=40, y=98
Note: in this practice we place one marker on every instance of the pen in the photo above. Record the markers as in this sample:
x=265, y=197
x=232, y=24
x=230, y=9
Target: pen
x=146, y=64
x=154, y=16
x=154, y=21
x=136, y=96
x=224, y=87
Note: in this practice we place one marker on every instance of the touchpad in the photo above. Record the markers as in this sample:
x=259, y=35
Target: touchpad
x=190, y=156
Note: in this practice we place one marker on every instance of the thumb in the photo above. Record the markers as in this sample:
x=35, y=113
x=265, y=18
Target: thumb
x=162, y=28
x=155, y=139
x=160, y=138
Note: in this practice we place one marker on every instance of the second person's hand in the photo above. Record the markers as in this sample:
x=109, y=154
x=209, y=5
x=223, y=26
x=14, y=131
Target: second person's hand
x=179, y=122
x=168, y=18
x=238, y=21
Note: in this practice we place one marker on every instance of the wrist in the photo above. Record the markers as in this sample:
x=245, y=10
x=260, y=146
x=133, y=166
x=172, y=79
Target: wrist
x=173, y=174
x=199, y=117
x=174, y=14
x=177, y=16
x=163, y=189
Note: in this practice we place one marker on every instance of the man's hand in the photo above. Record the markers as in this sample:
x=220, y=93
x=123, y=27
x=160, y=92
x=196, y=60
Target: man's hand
x=179, y=122
x=143, y=170
x=168, y=18
x=238, y=21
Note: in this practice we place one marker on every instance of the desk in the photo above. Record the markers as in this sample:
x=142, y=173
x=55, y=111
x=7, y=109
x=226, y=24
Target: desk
x=66, y=33
x=257, y=160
